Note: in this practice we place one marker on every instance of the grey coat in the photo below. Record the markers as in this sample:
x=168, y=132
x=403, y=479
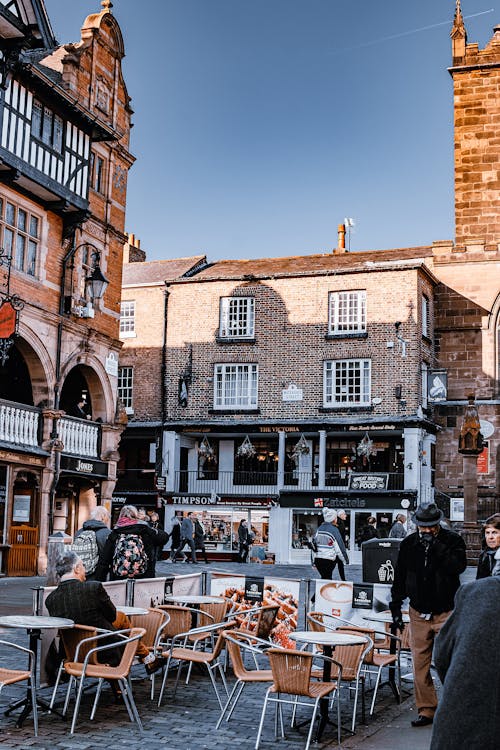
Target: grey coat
x=467, y=657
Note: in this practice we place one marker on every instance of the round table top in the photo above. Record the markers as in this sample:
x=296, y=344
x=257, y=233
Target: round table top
x=35, y=622
x=385, y=616
x=194, y=598
x=131, y=610
x=326, y=638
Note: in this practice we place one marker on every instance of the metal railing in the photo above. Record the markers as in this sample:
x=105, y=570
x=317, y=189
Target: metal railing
x=257, y=483
x=80, y=437
x=19, y=424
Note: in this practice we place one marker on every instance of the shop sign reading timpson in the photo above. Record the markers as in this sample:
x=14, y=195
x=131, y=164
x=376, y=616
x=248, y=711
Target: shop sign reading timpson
x=195, y=500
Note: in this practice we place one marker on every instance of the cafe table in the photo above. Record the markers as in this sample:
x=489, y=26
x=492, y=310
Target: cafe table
x=194, y=599
x=34, y=624
x=328, y=640
x=129, y=611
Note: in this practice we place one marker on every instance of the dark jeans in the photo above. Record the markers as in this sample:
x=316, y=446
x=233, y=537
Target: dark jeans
x=243, y=553
x=326, y=567
x=190, y=543
x=200, y=546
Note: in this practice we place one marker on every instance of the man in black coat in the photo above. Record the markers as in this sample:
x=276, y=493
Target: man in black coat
x=466, y=655
x=87, y=603
x=427, y=571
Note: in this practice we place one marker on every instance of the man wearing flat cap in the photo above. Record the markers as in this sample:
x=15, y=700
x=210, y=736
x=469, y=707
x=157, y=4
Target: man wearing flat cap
x=428, y=572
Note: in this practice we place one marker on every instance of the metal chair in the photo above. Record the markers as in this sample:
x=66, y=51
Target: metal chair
x=292, y=676
x=127, y=641
x=377, y=659
x=184, y=653
x=237, y=643
x=13, y=676
x=71, y=638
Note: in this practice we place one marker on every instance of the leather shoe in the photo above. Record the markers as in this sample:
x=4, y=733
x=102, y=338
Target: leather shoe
x=422, y=721
x=154, y=665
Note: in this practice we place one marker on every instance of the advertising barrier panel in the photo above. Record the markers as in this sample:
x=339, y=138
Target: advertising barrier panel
x=149, y=592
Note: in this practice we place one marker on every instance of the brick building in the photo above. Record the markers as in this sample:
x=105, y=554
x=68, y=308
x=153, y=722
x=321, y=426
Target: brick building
x=64, y=159
x=300, y=361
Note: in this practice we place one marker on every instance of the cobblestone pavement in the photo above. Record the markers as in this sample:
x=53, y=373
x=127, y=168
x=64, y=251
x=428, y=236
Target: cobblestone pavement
x=187, y=722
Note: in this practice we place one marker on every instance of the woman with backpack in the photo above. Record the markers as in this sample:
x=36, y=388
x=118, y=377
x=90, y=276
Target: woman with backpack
x=130, y=548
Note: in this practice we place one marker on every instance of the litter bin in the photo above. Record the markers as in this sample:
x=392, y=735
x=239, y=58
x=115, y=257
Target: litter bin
x=379, y=558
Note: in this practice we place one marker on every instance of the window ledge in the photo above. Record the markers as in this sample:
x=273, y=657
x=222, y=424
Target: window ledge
x=354, y=335
x=346, y=408
x=128, y=335
x=241, y=410
x=235, y=340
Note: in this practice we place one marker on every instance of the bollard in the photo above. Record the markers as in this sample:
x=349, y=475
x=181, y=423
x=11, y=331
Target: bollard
x=56, y=545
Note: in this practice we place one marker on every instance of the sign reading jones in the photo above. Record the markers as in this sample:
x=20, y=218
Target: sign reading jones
x=84, y=466
x=368, y=482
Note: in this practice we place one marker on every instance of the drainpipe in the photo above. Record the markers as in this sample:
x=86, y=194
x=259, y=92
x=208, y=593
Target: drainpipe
x=164, y=392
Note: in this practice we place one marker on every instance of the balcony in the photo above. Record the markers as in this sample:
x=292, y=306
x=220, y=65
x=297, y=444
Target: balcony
x=80, y=437
x=20, y=424
x=266, y=483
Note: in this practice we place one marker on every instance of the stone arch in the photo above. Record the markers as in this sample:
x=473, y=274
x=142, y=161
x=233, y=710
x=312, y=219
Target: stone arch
x=39, y=365
x=493, y=327
x=100, y=391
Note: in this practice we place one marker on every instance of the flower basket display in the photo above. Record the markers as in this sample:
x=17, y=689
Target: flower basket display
x=246, y=449
x=365, y=449
x=301, y=449
x=205, y=450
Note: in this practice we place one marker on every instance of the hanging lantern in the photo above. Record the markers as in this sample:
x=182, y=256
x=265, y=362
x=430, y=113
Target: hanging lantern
x=246, y=449
x=205, y=450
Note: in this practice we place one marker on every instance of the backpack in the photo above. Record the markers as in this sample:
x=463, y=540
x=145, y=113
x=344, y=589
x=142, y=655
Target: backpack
x=129, y=558
x=85, y=546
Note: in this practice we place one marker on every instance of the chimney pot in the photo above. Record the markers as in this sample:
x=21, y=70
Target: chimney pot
x=341, y=238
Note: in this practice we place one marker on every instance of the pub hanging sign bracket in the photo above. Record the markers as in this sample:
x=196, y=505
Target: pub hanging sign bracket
x=10, y=305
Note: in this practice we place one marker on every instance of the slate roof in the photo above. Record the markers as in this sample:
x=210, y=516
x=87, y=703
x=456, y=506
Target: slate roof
x=160, y=270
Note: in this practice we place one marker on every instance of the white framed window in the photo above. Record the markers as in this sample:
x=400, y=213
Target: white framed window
x=347, y=312
x=20, y=236
x=347, y=382
x=235, y=386
x=127, y=319
x=237, y=317
x=125, y=387
x=425, y=317
x=425, y=384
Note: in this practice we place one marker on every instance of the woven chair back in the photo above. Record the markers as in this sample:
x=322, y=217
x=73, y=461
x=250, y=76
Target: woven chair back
x=150, y=622
x=291, y=670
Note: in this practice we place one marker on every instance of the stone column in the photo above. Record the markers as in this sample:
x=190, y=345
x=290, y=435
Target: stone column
x=281, y=459
x=322, y=460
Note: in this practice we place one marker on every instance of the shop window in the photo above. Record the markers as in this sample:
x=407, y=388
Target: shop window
x=237, y=317
x=127, y=319
x=347, y=312
x=347, y=382
x=259, y=469
x=235, y=386
x=20, y=236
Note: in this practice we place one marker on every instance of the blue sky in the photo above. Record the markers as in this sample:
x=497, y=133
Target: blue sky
x=260, y=125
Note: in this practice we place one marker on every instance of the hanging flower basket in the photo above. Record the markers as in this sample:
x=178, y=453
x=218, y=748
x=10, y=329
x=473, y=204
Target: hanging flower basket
x=205, y=450
x=246, y=449
x=301, y=449
x=365, y=448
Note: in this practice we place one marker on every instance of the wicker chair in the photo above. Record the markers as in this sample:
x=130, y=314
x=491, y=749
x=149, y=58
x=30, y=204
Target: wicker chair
x=182, y=651
x=292, y=676
x=375, y=660
x=237, y=643
x=81, y=670
x=151, y=623
x=71, y=638
x=13, y=676
x=259, y=621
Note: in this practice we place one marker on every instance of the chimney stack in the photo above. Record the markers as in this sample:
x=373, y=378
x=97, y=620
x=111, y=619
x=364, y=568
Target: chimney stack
x=341, y=240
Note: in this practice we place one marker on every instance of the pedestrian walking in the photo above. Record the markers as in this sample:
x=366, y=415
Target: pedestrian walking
x=329, y=549
x=427, y=571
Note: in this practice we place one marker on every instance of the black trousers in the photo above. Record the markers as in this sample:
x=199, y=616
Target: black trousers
x=326, y=567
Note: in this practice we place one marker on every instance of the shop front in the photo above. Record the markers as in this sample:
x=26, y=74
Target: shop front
x=221, y=518
x=301, y=514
